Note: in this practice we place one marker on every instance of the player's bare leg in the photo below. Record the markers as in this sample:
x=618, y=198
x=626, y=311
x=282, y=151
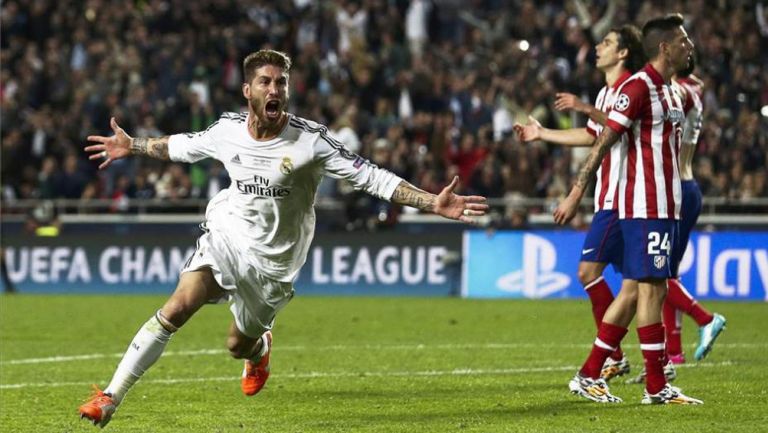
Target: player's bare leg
x=255, y=352
x=193, y=291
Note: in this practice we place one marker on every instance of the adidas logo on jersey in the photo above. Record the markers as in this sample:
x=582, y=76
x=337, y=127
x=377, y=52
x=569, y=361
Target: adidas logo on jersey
x=236, y=159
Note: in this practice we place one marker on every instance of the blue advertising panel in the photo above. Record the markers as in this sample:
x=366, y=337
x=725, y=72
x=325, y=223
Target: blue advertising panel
x=382, y=264
x=543, y=264
x=146, y=258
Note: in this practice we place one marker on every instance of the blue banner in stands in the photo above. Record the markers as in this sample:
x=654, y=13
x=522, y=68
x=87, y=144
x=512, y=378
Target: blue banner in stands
x=542, y=264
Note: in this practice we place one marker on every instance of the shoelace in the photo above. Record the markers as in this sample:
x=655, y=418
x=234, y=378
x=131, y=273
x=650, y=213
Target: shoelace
x=95, y=393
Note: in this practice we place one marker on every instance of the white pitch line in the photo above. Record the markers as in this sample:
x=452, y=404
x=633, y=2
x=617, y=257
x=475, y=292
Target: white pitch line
x=105, y=355
x=364, y=374
x=486, y=346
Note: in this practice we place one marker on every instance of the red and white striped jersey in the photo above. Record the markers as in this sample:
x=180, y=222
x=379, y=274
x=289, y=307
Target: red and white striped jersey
x=608, y=173
x=652, y=115
x=691, y=94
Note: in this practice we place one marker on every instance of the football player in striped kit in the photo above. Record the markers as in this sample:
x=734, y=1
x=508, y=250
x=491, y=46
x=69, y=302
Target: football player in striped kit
x=649, y=201
x=678, y=299
x=618, y=56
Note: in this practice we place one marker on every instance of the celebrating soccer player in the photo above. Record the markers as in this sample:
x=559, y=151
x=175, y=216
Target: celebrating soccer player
x=649, y=200
x=256, y=232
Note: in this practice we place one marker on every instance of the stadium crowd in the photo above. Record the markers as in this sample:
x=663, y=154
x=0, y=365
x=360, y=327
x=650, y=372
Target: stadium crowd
x=425, y=88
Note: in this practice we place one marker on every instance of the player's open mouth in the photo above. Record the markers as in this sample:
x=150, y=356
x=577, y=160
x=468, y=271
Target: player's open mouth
x=272, y=109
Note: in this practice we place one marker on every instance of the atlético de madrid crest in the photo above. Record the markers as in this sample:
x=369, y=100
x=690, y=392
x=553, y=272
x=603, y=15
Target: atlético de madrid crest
x=286, y=167
x=659, y=261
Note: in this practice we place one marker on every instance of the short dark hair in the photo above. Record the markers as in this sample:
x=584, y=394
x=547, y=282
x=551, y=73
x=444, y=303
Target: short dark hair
x=659, y=30
x=630, y=39
x=262, y=58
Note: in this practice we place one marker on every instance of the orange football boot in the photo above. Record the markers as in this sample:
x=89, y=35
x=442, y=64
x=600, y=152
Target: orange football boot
x=99, y=408
x=255, y=374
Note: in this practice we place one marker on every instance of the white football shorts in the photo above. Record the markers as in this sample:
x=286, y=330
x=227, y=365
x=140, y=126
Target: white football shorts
x=254, y=298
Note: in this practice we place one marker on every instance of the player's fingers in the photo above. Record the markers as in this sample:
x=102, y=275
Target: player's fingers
x=95, y=148
x=113, y=124
x=468, y=212
x=451, y=186
x=532, y=120
x=556, y=215
x=105, y=164
x=475, y=201
x=97, y=138
x=472, y=213
x=95, y=156
x=468, y=220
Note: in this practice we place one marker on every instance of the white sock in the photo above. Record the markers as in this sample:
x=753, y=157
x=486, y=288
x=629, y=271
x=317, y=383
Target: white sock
x=144, y=350
x=263, y=351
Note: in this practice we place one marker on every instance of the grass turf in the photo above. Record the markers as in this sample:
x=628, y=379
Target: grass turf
x=365, y=365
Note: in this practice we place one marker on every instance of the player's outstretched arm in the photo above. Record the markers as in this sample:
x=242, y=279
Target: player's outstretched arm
x=122, y=145
x=567, y=137
x=446, y=204
x=569, y=101
x=567, y=209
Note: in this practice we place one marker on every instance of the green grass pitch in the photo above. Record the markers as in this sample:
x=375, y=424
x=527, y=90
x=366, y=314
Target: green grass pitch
x=366, y=365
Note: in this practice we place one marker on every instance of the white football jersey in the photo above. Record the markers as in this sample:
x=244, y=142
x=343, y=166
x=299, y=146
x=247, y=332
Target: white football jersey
x=268, y=210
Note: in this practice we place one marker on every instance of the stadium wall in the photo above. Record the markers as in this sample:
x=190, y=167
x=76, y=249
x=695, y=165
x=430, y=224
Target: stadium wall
x=146, y=258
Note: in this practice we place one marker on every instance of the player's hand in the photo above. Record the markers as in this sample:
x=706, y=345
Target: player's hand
x=566, y=210
x=459, y=207
x=568, y=101
x=111, y=148
x=531, y=131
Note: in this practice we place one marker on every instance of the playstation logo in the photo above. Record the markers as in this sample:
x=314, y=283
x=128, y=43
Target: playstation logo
x=537, y=277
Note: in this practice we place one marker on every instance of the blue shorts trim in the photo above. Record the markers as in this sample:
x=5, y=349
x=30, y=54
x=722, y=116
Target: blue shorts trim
x=604, y=243
x=648, y=247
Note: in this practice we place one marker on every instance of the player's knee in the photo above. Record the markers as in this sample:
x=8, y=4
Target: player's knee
x=174, y=313
x=587, y=274
x=628, y=297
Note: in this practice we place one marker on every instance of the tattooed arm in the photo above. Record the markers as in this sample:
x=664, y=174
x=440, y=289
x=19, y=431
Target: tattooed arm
x=446, y=204
x=567, y=209
x=602, y=144
x=121, y=145
x=154, y=147
x=408, y=195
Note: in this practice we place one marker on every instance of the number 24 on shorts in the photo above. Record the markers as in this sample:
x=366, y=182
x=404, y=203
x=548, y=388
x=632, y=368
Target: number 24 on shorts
x=656, y=243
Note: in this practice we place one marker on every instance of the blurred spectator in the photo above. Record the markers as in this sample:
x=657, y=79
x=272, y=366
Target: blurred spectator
x=426, y=88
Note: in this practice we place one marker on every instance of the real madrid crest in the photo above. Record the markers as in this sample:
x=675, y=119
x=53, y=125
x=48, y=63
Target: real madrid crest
x=286, y=167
